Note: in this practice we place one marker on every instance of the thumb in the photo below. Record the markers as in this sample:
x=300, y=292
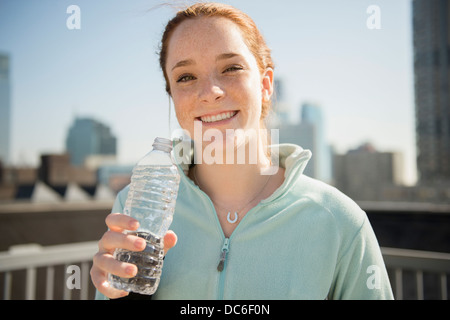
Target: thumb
x=170, y=240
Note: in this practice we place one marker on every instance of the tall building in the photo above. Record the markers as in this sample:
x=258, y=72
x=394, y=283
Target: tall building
x=312, y=114
x=303, y=135
x=431, y=30
x=280, y=104
x=310, y=134
x=5, y=109
x=88, y=137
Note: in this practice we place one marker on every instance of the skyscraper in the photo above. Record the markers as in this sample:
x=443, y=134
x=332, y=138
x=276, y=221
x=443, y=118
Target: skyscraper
x=5, y=109
x=431, y=30
x=312, y=114
x=89, y=137
x=310, y=134
x=280, y=104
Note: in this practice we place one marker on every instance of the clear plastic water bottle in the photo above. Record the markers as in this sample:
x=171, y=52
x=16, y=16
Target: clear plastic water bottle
x=151, y=200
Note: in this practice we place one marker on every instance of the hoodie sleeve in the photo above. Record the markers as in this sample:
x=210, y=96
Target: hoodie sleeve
x=360, y=272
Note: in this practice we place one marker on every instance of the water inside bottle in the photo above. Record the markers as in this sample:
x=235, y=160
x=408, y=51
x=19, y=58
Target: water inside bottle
x=149, y=263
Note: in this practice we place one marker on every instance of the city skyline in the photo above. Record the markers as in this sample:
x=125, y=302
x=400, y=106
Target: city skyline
x=324, y=51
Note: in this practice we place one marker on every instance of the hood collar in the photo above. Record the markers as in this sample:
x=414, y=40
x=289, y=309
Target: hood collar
x=291, y=157
x=288, y=156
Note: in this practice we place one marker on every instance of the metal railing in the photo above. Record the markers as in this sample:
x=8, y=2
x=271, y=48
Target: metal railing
x=402, y=263
x=30, y=258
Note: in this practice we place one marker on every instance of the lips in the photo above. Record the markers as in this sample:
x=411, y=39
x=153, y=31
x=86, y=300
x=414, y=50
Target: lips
x=218, y=117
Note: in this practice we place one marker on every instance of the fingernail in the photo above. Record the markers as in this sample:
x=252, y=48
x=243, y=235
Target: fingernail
x=134, y=225
x=139, y=244
x=130, y=270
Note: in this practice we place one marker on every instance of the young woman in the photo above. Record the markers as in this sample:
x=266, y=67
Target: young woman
x=242, y=231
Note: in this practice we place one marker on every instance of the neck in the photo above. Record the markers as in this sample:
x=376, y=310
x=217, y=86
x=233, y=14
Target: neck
x=233, y=184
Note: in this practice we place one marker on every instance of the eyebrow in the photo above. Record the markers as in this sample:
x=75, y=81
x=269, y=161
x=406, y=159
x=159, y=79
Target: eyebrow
x=189, y=62
x=225, y=56
x=183, y=63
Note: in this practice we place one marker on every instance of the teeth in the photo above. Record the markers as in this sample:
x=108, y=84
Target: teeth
x=218, y=117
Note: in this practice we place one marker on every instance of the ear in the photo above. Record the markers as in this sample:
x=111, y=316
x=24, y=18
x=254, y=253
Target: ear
x=267, y=84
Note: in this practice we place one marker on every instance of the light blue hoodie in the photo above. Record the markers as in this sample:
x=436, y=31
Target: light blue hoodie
x=306, y=241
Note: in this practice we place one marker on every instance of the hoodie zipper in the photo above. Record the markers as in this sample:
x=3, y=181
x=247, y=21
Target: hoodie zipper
x=223, y=254
x=221, y=266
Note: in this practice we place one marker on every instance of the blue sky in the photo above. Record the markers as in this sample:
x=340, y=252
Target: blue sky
x=323, y=50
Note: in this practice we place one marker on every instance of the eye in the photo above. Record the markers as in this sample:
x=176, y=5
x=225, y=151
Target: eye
x=185, y=78
x=233, y=68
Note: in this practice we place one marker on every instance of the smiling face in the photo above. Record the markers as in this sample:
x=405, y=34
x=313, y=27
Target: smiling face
x=214, y=78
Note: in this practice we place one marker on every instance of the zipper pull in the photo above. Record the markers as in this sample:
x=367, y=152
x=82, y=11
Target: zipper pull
x=223, y=255
x=221, y=262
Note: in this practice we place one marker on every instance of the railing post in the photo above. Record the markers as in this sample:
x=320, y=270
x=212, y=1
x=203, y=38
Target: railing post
x=444, y=286
x=67, y=294
x=7, y=285
x=50, y=282
x=419, y=284
x=84, y=280
x=30, y=285
x=398, y=284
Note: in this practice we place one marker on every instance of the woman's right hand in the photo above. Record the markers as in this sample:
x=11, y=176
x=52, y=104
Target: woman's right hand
x=104, y=262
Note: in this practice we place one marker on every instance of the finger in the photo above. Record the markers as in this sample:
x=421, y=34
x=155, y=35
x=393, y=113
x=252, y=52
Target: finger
x=99, y=279
x=170, y=240
x=112, y=240
x=120, y=222
x=108, y=264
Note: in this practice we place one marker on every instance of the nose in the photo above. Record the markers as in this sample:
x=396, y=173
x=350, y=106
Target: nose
x=210, y=91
